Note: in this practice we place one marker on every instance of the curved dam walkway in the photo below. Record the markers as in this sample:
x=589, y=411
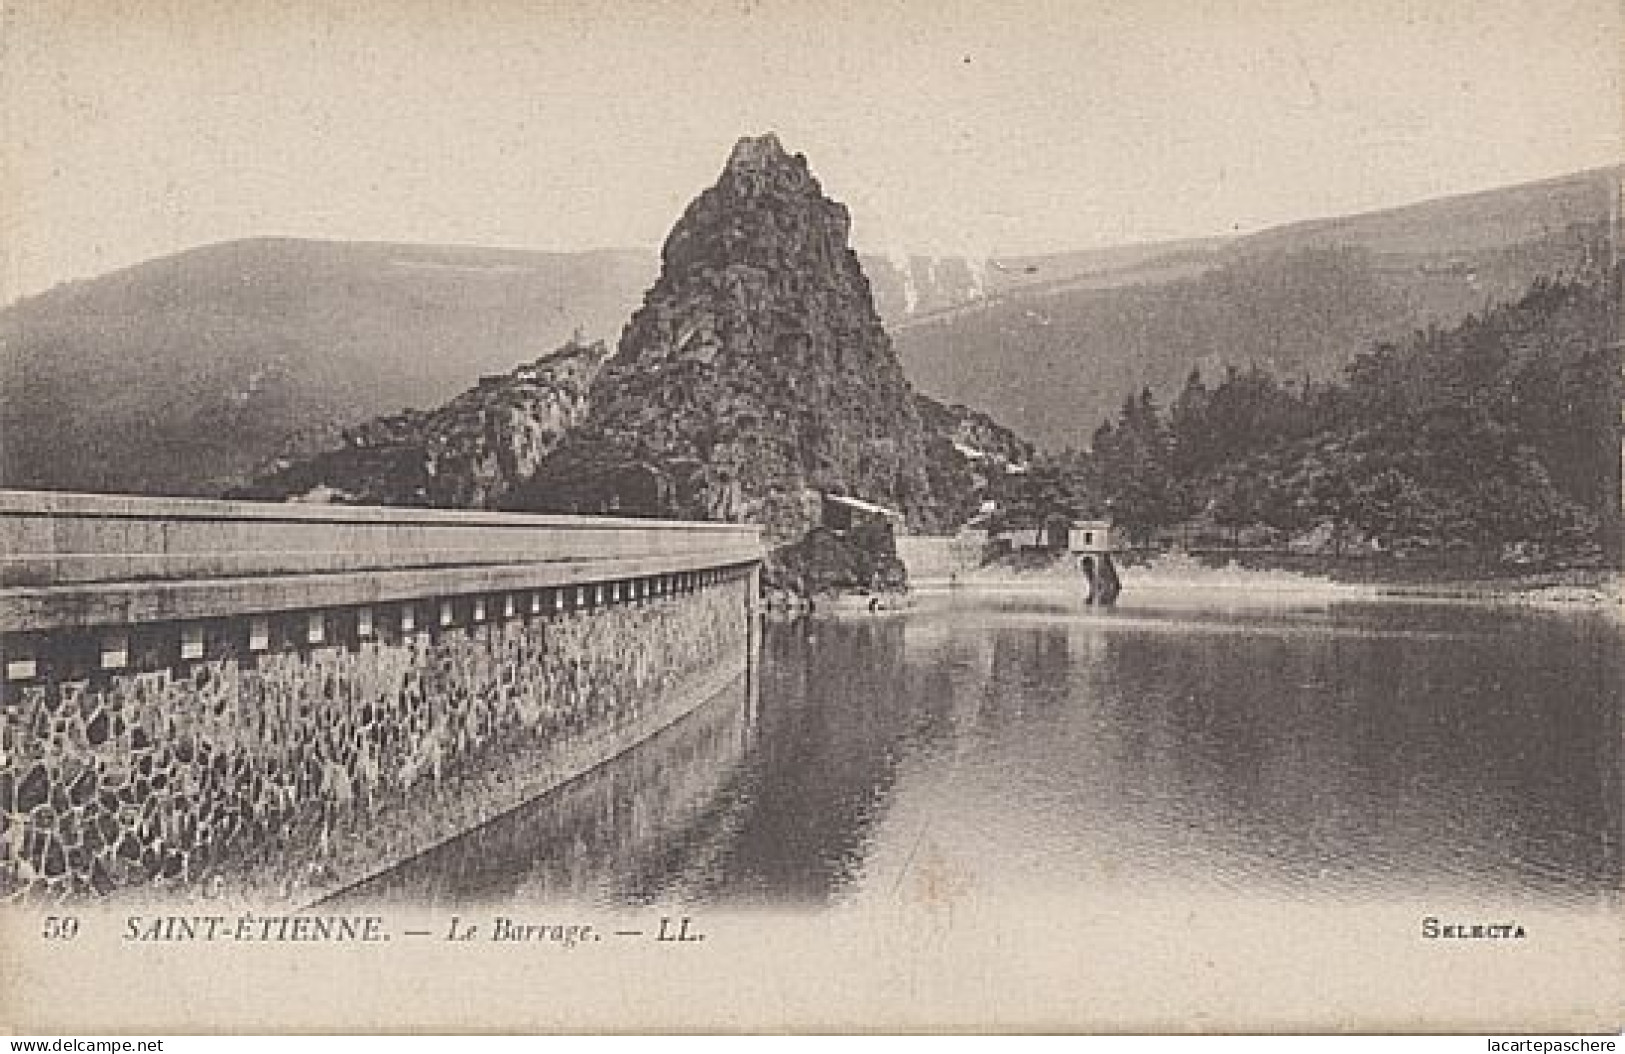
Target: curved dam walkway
x=270, y=703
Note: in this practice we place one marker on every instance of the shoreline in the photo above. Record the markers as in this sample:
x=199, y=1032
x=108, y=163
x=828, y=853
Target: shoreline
x=1602, y=592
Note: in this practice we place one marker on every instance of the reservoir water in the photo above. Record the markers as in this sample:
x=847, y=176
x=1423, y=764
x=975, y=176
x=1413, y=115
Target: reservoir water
x=1019, y=744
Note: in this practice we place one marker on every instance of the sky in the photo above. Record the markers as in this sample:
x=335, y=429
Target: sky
x=138, y=129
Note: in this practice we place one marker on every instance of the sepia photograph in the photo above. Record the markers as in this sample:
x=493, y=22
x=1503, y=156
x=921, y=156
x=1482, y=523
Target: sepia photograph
x=811, y=516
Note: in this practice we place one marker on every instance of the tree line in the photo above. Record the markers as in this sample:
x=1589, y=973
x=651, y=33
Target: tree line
x=1498, y=436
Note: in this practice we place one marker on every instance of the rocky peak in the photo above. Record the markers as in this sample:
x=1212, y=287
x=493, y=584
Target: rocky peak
x=759, y=154
x=756, y=371
x=759, y=167
x=766, y=210
x=756, y=375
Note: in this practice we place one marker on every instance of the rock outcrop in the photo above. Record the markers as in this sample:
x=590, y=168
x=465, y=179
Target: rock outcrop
x=756, y=372
x=756, y=375
x=471, y=453
x=976, y=437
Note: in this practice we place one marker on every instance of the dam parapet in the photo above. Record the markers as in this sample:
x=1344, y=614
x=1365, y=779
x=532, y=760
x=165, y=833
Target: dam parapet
x=272, y=702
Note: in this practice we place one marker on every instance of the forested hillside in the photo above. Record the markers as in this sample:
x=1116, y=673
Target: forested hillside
x=1499, y=435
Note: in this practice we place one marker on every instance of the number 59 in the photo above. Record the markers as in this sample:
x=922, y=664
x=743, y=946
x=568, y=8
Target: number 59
x=60, y=928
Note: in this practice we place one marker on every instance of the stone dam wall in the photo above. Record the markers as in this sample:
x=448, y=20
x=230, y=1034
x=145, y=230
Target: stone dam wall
x=273, y=753
x=934, y=559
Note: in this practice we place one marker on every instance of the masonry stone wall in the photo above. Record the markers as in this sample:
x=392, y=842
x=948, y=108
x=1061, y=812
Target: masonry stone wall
x=285, y=757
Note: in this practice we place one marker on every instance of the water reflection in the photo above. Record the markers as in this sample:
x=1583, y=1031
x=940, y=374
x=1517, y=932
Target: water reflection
x=1021, y=744
x=616, y=835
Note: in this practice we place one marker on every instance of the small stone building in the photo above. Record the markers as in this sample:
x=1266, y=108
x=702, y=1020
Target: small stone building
x=1090, y=536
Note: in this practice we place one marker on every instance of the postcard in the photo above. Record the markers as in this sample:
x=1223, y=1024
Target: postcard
x=768, y=517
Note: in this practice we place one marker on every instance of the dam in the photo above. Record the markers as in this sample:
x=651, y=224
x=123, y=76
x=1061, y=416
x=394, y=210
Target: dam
x=274, y=702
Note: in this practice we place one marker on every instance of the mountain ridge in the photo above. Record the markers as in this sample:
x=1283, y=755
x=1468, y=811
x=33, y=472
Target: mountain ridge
x=1303, y=300
x=186, y=374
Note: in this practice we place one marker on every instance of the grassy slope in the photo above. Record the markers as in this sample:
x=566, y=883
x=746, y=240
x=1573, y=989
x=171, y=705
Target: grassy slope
x=181, y=374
